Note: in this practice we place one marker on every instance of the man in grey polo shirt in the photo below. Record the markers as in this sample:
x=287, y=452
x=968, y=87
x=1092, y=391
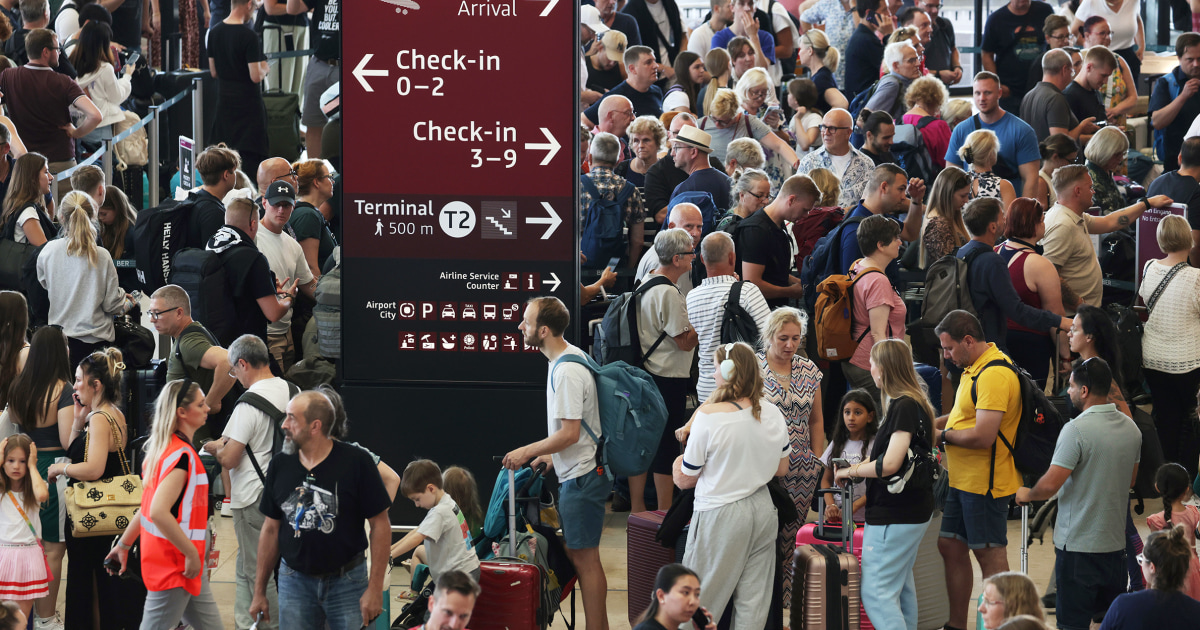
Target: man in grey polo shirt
x=1095, y=462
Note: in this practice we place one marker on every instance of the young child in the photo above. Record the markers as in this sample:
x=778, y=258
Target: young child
x=852, y=439
x=24, y=574
x=459, y=483
x=443, y=530
x=1171, y=481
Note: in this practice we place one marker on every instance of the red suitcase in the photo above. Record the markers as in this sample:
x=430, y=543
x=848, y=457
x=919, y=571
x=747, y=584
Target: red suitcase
x=511, y=591
x=646, y=557
x=511, y=596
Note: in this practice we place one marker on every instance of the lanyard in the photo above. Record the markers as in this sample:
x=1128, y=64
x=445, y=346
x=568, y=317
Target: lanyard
x=17, y=505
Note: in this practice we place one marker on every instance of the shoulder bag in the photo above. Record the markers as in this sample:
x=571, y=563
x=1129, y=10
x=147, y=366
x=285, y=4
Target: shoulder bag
x=104, y=507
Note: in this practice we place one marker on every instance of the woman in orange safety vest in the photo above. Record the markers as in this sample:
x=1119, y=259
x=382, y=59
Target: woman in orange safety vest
x=173, y=523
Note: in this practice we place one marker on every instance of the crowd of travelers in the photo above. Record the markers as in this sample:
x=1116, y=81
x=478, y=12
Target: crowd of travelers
x=761, y=160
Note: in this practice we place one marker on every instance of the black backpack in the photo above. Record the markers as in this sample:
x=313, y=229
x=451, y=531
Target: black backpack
x=825, y=261
x=1041, y=421
x=201, y=274
x=276, y=416
x=736, y=323
x=159, y=234
x=620, y=338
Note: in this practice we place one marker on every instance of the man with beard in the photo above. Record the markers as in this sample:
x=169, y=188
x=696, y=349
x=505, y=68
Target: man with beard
x=317, y=497
x=1095, y=462
x=246, y=451
x=570, y=449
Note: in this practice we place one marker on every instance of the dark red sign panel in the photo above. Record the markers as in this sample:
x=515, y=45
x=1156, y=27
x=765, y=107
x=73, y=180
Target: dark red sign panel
x=460, y=160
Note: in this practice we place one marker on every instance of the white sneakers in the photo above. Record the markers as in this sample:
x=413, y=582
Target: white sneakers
x=50, y=623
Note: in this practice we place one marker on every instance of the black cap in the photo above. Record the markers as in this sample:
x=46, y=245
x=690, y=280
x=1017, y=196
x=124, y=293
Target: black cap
x=279, y=192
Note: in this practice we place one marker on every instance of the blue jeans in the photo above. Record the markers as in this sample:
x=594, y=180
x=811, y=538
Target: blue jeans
x=889, y=592
x=307, y=602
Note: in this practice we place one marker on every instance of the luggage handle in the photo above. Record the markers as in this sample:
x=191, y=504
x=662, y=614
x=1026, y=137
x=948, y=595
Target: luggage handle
x=847, y=493
x=512, y=502
x=1025, y=538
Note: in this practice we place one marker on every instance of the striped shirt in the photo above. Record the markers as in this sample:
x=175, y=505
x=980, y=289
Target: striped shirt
x=706, y=306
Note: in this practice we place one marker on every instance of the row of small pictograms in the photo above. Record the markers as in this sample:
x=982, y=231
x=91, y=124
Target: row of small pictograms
x=464, y=311
x=463, y=342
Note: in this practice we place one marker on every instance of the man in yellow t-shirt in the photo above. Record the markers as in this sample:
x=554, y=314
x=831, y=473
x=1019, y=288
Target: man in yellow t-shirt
x=983, y=476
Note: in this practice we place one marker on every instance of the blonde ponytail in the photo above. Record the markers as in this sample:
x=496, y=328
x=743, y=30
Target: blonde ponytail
x=77, y=214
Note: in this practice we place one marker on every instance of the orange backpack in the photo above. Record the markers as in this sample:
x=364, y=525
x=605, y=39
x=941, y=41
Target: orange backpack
x=834, y=313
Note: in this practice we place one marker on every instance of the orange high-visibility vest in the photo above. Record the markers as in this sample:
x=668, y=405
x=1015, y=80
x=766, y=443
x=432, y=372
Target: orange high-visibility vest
x=162, y=563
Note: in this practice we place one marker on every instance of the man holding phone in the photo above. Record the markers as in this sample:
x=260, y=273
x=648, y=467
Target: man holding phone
x=1083, y=93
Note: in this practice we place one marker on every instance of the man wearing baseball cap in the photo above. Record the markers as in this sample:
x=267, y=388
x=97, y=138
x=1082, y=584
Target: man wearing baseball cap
x=286, y=259
x=691, y=147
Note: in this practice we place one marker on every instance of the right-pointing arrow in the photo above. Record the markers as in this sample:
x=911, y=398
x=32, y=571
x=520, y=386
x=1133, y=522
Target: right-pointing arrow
x=551, y=147
x=555, y=282
x=553, y=220
x=361, y=71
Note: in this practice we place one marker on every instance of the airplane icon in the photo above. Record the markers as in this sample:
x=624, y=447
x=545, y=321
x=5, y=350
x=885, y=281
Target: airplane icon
x=402, y=6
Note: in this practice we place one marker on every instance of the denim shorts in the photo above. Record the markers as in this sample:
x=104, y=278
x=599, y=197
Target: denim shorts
x=581, y=509
x=976, y=519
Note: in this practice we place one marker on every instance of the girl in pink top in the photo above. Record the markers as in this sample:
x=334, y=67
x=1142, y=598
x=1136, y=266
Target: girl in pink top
x=1172, y=483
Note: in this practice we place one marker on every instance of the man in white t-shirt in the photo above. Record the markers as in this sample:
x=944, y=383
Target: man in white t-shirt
x=584, y=486
x=700, y=41
x=248, y=439
x=286, y=259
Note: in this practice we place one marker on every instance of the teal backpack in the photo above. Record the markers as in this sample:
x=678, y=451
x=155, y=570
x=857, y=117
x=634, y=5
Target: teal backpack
x=632, y=415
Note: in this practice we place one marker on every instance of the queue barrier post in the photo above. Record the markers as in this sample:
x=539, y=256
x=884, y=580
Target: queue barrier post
x=152, y=162
x=198, y=113
x=106, y=162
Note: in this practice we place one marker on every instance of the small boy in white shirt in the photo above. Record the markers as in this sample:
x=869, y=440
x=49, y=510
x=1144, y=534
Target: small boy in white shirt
x=444, y=529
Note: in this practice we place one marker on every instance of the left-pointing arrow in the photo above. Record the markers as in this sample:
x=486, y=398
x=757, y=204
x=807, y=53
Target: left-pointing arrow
x=361, y=71
x=551, y=147
x=553, y=220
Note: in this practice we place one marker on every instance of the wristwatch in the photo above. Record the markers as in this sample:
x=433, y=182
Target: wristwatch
x=943, y=442
x=1145, y=202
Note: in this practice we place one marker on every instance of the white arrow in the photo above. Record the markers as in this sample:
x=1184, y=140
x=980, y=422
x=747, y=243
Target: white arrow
x=506, y=213
x=360, y=71
x=552, y=147
x=555, y=283
x=553, y=220
x=549, y=7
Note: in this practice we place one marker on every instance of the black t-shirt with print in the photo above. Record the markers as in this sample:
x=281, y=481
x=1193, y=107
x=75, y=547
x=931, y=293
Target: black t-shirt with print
x=327, y=22
x=1016, y=41
x=326, y=505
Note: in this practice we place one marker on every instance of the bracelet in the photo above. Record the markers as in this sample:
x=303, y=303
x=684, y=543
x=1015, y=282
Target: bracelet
x=64, y=470
x=122, y=545
x=854, y=473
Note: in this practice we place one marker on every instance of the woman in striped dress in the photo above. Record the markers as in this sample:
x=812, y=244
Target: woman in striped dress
x=793, y=383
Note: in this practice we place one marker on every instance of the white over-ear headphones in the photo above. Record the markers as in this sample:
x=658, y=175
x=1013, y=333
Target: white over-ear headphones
x=727, y=365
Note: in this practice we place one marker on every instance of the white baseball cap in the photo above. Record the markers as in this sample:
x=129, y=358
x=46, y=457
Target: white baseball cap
x=589, y=16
